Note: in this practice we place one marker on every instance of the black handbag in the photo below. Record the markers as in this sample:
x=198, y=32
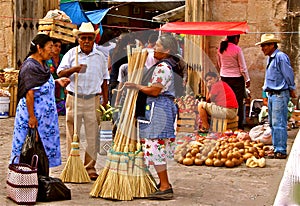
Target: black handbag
x=52, y=189
x=32, y=147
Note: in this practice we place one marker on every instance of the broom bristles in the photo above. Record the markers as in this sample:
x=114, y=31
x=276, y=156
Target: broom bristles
x=143, y=180
x=98, y=184
x=74, y=170
x=124, y=192
x=111, y=183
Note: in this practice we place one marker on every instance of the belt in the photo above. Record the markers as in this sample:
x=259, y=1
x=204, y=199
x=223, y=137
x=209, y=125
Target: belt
x=272, y=92
x=84, y=96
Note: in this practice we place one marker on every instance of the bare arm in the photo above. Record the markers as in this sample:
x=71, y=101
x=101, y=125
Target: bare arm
x=153, y=90
x=104, y=88
x=32, y=122
x=70, y=71
x=109, y=63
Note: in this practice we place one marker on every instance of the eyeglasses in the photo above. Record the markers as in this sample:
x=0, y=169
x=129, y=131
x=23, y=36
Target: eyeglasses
x=89, y=38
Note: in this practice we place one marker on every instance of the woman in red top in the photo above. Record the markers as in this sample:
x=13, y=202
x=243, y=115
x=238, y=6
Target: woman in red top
x=221, y=102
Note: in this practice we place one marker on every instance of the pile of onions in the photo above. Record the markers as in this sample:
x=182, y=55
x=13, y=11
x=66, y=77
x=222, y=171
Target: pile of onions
x=229, y=152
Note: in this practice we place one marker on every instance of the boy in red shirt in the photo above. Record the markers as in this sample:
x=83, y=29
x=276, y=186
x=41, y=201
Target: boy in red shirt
x=220, y=103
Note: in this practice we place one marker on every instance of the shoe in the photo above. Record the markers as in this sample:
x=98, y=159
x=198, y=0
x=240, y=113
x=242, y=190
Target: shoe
x=269, y=154
x=93, y=176
x=279, y=155
x=203, y=130
x=162, y=195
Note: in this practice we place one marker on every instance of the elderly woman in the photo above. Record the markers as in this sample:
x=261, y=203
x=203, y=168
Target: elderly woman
x=36, y=101
x=158, y=130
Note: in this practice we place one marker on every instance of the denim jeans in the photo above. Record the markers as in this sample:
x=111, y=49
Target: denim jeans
x=278, y=110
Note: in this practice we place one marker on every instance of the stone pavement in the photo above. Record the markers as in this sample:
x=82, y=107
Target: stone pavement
x=192, y=185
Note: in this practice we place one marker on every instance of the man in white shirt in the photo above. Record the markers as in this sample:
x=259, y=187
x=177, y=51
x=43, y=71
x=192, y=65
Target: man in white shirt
x=92, y=81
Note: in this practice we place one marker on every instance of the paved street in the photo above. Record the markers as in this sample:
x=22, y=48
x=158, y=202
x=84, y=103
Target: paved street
x=195, y=185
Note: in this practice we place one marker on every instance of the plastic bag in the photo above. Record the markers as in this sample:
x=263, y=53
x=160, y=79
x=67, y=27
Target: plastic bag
x=32, y=147
x=261, y=133
x=52, y=189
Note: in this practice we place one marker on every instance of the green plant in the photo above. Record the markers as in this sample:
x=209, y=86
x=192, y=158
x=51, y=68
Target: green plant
x=107, y=112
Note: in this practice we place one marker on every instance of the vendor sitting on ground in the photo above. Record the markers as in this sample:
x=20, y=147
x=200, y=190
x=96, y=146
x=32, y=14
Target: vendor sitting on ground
x=220, y=103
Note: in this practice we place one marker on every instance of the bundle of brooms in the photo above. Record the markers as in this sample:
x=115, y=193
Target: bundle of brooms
x=125, y=175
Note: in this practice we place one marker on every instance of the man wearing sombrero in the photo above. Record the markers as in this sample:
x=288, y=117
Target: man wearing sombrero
x=280, y=85
x=91, y=66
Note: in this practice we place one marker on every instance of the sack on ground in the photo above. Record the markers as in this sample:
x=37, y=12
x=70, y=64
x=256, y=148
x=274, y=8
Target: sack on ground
x=22, y=182
x=261, y=133
x=52, y=189
x=32, y=147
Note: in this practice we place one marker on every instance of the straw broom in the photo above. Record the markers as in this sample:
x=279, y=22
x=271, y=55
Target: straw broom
x=115, y=182
x=74, y=170
x=143, y=180
x=109, y=186
x=98, y=184
x=125, y=164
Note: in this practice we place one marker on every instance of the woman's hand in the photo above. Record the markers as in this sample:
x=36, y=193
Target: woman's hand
x=131, y=85
x=32, y=122
x=63, y=81
x=248, y=84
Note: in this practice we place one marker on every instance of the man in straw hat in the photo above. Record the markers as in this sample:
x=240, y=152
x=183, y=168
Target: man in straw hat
x=91, y=65
x=280, y=85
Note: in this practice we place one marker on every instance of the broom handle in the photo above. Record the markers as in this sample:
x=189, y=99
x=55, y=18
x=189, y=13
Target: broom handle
x=123, y=122
x=138, y=76
x=76, y=92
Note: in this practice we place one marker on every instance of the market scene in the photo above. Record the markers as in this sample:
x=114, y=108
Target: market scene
x=158, y=102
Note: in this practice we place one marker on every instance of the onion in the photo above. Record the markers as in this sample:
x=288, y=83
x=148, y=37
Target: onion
x=188, y=161
x=198, y=162
x=229, y=163
x=209, y=162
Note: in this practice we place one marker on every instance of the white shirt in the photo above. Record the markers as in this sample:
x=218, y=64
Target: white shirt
x=150, y=61
x=89, y=82
x=105, y=49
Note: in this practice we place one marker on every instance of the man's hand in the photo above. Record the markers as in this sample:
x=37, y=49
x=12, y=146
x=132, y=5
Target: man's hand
x=293, y=94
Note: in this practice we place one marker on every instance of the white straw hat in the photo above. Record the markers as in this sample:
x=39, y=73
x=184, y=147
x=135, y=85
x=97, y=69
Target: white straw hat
x=85, y=28
x=267, y=38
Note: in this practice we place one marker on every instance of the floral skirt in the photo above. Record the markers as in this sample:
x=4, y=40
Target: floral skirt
x=157, y=151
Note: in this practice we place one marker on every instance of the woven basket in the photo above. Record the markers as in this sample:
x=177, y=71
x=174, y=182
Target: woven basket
x=22, y=182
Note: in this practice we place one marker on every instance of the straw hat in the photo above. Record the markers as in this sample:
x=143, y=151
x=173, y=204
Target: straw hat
x=86, y=28
x=267, y=38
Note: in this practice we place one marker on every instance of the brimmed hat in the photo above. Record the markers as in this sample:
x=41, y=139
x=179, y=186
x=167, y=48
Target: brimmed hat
x=267, y=38
x=86, y=28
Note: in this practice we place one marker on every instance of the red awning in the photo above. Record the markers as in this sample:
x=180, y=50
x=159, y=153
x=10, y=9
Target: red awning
x=206, y=28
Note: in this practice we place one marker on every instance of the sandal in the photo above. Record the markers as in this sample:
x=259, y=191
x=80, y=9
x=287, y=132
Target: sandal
x=279, y=155
x=269, y=154
x=203, y=130
x=162, y=195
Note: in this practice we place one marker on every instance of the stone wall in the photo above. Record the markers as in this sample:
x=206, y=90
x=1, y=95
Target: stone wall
x=262, y=16
x=6, y=33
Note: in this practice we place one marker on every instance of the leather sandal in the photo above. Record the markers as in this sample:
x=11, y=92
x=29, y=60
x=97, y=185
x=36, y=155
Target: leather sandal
x=162, y=195
x=93, y=176
x=279, y=155
x=203, y=130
